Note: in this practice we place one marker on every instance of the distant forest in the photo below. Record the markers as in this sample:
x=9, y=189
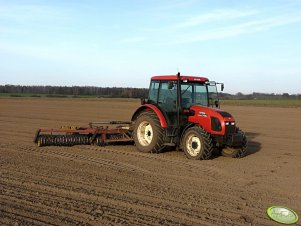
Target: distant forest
x=118, y=92
x=259, y=96
x=61, y=91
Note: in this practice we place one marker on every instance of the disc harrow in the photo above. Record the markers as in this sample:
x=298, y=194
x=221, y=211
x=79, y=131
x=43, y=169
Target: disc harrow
x=97, y=133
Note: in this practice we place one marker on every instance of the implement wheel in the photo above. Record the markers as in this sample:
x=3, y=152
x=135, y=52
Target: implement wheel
x=40, y=142
x=148, y=134
x=197, y=144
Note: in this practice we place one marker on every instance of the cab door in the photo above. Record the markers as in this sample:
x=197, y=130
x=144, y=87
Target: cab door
x=167, y=100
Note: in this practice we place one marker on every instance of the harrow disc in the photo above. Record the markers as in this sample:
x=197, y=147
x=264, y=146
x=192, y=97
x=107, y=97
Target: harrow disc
x=62, y=140
x=99, y=141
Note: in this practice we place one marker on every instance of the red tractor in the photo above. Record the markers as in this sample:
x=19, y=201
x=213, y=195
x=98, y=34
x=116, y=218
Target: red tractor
x=183, y=112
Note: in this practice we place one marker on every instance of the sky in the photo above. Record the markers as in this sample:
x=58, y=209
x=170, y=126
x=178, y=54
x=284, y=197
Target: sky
x=250, y=45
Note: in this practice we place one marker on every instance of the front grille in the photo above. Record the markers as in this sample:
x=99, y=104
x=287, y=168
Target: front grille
x=216, y=124
x=230, y=129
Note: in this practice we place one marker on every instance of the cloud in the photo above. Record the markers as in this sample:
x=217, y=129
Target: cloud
x=248, y=27
x=216, y=24
x=30, y=12
x=136, y=39
x=165, y=6
x=216, y=15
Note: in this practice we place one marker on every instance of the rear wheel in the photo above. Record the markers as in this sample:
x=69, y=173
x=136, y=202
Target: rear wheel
x=148, y=134
x=236, y=152
x=197, y=144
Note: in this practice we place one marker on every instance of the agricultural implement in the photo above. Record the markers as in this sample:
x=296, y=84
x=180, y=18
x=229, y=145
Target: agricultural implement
x=181, y=112
x=97, y=133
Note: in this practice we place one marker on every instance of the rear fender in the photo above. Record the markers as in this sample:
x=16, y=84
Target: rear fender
x=151, y=107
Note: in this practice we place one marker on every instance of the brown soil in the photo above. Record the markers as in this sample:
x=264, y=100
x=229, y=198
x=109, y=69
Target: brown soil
x=117, y=185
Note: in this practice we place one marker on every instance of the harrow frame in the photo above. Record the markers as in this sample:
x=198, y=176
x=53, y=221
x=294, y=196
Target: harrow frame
x=97, y=133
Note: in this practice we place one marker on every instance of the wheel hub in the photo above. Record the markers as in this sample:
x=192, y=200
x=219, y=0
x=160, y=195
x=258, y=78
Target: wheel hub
x=193, y=145
x=145, y=133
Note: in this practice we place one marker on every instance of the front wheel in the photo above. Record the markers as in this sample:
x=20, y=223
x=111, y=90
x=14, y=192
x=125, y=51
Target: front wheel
x=197, y=144
x=236, y=152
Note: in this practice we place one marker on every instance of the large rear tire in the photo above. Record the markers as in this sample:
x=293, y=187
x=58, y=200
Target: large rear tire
x=148, y=134
x=197, y=144
x=236, y=152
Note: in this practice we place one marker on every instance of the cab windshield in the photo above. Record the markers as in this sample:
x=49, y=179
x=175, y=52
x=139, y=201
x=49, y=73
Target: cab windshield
x=204, y=94
x=164, y=94
x=194, y=94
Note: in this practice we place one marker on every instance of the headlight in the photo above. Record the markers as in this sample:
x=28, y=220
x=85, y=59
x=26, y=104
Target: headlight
x=216, y=124
x=230, y=123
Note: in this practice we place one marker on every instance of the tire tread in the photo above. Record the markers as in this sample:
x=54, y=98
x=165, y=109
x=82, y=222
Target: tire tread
x=161, y=135
x=208, y=142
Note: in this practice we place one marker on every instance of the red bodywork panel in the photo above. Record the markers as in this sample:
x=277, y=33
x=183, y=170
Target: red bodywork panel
x=160, y=115
x=183, y=77
x=202, y=117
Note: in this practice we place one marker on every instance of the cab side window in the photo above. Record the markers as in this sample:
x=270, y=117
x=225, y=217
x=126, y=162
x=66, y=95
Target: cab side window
x=153, y=91
x=167, y=97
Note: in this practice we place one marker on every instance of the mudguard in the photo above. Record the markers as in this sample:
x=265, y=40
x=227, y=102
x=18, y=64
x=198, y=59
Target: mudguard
x=159, y=114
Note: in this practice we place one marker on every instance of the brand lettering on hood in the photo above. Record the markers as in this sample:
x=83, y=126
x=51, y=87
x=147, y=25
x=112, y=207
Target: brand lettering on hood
x=203, y=114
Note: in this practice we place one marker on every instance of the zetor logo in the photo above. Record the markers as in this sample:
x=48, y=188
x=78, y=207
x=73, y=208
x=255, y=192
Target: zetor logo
x=282, y=215
x=202, y=114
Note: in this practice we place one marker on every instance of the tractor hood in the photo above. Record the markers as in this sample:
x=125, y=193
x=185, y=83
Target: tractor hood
x=211, y=119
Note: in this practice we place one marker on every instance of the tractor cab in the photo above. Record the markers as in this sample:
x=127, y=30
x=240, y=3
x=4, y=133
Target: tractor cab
x=164, y=93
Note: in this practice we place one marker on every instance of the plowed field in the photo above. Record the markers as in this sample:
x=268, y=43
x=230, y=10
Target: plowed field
x=117, y=185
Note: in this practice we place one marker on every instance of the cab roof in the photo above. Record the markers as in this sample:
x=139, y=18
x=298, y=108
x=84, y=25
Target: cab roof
x=183, y=78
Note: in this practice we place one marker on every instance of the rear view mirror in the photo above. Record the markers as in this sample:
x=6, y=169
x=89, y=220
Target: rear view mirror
x=143, y=101
x=222, y=86
x=216, y=103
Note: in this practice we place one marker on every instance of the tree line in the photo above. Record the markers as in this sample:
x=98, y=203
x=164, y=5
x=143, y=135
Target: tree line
x=114, y=92
x=259, y=96
x=119, y=92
